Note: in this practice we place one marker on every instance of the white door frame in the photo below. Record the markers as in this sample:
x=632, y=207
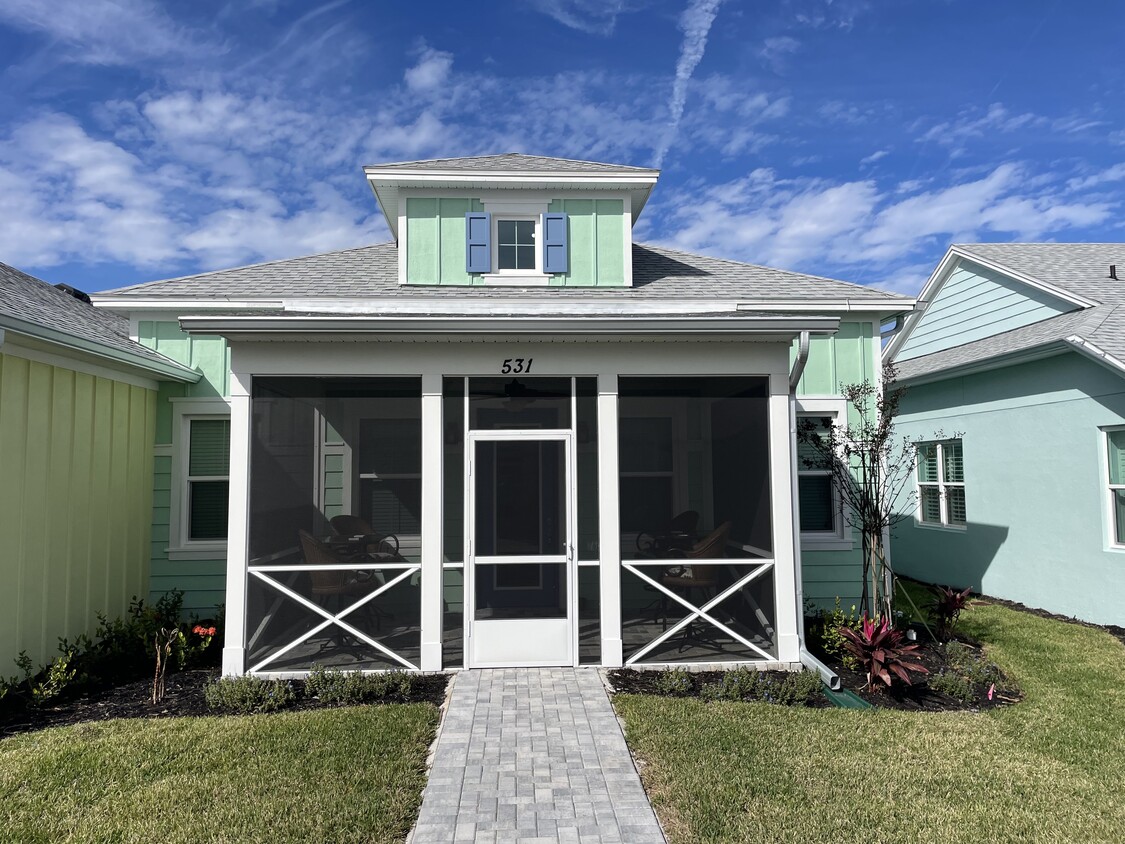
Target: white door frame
x=522, y=627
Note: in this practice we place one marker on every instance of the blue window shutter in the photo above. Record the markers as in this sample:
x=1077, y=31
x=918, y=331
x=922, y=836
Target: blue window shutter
x=554, y=243
x=478, y=242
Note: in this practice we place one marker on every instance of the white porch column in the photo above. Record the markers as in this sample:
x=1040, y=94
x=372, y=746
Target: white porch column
x=781, y=494
x=609, y=534
x=234, y=644
x=432, y=443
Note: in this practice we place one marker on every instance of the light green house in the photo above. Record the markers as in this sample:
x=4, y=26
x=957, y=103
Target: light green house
x=1016, y=357
x=512, y=436
x=78, y=407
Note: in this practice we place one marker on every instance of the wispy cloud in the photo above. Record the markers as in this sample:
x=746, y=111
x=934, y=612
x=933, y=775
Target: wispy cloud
x=596, y=17
x=775, y=51
x=878, y=155
x=695, y=23
x=108, y=32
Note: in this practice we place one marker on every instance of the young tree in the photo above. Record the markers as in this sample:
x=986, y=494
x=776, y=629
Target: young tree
x=871, y=468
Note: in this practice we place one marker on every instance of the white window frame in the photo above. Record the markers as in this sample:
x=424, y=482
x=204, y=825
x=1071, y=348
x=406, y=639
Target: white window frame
x=180, y=545
x=840, y=537
x=1108, y=489
x=941, y=484
x=507, y=208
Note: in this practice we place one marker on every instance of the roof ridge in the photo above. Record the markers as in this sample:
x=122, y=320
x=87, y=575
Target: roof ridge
x=772, y=269
x=244, y=267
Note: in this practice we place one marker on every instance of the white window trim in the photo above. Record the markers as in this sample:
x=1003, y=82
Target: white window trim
x=941, y=484
x=508, y=208
x=1109, y=508
x=840, y=538
x=180, y=546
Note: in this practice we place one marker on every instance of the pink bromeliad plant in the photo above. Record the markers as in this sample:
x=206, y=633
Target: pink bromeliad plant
x=882, y=651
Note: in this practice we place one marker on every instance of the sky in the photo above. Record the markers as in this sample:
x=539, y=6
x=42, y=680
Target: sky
x=854, y=139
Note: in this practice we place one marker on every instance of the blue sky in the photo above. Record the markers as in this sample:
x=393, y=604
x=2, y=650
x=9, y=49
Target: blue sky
x=846, y=138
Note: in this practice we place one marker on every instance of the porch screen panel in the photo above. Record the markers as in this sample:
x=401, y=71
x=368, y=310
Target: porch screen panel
x=586, y=440
x=519, y=401
x=335, y=513
x=694, y=467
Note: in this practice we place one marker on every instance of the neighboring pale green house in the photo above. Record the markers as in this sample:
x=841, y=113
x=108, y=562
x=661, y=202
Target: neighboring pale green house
x=1016, y=358
x=512, y=436
x=78, y=407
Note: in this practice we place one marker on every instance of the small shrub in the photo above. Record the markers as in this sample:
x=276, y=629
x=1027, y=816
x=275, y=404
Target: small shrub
x=881, y=652
x=739, y=684
x=54, y=680
x=954, y=685
x=248, y=694
x=946, y=608
x=330, y=685
x=802, y=687
x=972, y=665
x=675, y=683
x=832, y=641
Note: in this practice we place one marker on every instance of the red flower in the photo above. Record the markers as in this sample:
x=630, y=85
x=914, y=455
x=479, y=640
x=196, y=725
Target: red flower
x=200, y=630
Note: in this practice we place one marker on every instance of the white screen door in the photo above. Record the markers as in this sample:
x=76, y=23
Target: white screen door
x=521, y=602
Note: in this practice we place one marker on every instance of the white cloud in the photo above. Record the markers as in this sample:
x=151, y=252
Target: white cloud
x=878, y=155
x=776, y=50
x=107, y=32
x=430, y=72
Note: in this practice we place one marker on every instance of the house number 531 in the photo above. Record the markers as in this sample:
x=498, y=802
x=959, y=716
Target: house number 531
x=517, y=365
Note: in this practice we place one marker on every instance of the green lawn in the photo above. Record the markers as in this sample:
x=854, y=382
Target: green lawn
x=352, y=775
x=1051, y=768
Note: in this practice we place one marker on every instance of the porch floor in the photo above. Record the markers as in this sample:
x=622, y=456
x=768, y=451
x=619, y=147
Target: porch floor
x=533, y=755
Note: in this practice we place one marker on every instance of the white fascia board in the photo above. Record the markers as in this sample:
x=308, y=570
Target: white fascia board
x=880, y=307
x=187, y=303
x=1058, y=292
x=92, y=350
x=507, y=177
x=1092, y=351
x=578, y=325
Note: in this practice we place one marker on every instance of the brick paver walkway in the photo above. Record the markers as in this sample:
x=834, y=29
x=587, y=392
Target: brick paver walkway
x=533, y=755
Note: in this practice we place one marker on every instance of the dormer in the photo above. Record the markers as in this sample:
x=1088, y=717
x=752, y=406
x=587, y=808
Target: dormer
x=512, y=219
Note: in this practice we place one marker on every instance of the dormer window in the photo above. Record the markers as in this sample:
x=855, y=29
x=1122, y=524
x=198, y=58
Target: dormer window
x=515, y=245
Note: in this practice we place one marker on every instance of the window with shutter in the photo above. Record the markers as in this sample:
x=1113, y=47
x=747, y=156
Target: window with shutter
x=940, y=474
x=478, y=242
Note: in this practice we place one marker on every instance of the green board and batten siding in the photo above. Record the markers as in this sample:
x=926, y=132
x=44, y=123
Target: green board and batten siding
x=203, y=582
x=976, y=302
x=435, y=241
x=848, y=357
x=75, y=459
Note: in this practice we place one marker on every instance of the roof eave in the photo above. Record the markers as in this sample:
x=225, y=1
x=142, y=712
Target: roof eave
x=787, y=325
x=166, y=371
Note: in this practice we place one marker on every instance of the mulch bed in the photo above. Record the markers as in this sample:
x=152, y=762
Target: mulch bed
x=183, y=697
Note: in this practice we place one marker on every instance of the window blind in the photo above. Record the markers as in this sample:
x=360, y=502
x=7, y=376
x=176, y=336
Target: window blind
x=209, y=447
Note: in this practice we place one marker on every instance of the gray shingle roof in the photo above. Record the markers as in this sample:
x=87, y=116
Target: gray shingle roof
x=514, y=162
x=372, y=272
x=1079, y=268
x=30, y=300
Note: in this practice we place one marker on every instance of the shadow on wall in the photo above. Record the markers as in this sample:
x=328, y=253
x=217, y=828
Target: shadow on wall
x=950, y=557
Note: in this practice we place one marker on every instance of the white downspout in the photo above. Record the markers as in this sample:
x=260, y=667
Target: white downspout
x=827, y=675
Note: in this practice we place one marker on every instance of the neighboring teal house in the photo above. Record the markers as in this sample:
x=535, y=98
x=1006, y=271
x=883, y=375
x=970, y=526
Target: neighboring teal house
x=78, y=407
x=512, y=436
x=1017, y=356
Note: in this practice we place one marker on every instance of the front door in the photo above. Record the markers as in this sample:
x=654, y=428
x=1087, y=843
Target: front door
x=520, y=596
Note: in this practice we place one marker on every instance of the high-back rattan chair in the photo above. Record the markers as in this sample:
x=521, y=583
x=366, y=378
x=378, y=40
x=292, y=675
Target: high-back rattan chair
x=377, y=543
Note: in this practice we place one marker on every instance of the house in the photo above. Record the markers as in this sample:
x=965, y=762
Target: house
x=78, y=406
x=512, y=436
x=1016, y=357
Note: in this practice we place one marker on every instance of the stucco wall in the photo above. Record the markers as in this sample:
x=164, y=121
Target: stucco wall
x=75, y=502
x=1034, y=486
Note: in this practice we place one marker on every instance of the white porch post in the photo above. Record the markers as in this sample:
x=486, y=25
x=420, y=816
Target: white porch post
x=781, y=494
x=234, y=645
x=432, y=574
x=609, y=535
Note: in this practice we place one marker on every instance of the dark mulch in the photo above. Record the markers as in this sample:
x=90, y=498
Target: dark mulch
x=919, y=697
x=183, y=697
x=631, y=681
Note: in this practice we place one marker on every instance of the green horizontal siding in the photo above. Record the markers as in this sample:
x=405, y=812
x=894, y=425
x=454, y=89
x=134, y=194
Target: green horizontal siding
x=76, y=463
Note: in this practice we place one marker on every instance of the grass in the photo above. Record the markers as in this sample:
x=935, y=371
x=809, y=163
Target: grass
x=353, y=774
x=1048, y=769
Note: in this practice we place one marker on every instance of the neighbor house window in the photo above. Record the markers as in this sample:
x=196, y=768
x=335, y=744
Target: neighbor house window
x=208, y=479
x=1115, y=446
x=941, y=484
x=819, y=507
